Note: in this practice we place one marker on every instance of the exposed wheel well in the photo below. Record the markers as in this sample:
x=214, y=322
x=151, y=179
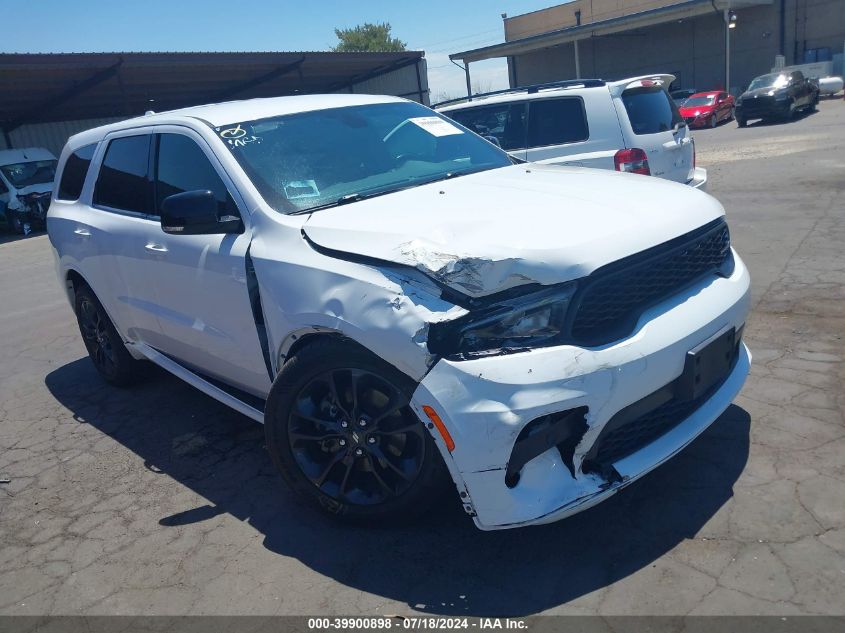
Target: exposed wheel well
x=74, y=280
x=305, y=340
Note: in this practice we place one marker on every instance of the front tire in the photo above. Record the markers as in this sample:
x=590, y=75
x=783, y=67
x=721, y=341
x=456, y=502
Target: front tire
x=712, y=121
x=741, y=121
x=105, y=346
x=340, y=430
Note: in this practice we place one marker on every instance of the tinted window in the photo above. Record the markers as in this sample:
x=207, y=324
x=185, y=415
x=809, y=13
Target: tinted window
x=556, y=121
x=122, y=182
x=182, y=166
x=504, y=122
x=650, y=110
x=73, y=175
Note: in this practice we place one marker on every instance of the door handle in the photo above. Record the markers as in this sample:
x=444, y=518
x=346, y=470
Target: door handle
x=82, y=232
x=156, y=248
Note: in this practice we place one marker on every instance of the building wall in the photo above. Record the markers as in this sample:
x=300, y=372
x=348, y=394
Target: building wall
x=54, y=135
x=51, y=135
x=399, y=83
x=563, y=15
x=694, y=49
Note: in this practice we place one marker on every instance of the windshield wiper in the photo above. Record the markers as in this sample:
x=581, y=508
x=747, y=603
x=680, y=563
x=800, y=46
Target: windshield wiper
x=355, y=197
x=351, y=197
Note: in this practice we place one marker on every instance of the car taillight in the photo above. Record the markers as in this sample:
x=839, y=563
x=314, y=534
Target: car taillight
x=633, y=161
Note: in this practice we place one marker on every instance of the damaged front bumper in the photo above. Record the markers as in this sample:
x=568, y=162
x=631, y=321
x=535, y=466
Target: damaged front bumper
x=487, y=403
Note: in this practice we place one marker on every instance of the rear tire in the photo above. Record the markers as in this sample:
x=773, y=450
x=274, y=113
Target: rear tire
x=105, y=346
x=340, y=431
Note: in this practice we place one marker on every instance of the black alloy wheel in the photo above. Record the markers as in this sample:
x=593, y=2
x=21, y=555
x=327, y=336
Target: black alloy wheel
x=105, y=346
x=355, y=438
x=341, y=430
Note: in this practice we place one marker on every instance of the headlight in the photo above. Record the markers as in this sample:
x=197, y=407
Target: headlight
x=532, y=320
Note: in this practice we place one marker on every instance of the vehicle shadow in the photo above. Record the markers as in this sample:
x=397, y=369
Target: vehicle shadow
x=441, y=564
x=7, y=236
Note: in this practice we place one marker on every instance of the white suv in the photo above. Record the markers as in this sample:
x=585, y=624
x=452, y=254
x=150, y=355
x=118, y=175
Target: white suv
x=397, y=300
x=630, y=125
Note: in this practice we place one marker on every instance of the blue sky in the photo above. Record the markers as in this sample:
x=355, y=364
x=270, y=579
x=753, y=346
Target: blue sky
x=438, y=27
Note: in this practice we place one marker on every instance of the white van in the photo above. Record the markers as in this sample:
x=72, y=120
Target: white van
x=26, y=180
x=630, y=125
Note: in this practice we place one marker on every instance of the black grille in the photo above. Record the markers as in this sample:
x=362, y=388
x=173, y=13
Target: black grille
x=614, y=298
x=631, y=437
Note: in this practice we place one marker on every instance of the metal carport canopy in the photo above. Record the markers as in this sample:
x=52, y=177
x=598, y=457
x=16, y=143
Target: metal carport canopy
x=650, y=17
x=36, y=88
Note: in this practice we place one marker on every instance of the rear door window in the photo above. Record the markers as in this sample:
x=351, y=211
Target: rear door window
x=505, y=122
x=123, y=182
x=557, y=122
x=74, y=172
x=182, y=166
x=650, y=110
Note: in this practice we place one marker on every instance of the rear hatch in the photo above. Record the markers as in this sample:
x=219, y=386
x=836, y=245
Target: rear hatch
x=651, y=121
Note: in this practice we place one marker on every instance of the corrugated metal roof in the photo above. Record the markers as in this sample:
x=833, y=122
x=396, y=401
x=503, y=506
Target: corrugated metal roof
x=39, y=87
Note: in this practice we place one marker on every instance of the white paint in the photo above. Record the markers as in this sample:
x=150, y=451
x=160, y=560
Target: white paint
x=479, y=234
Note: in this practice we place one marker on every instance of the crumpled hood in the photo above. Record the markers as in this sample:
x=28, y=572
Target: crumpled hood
x=487, y=232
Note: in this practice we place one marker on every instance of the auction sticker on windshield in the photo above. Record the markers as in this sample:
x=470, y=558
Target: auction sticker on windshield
x=435, y=125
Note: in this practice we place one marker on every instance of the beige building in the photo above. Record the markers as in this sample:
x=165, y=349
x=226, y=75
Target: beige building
x=612, y=39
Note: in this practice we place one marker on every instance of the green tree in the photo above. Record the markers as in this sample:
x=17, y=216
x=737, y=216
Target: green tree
x=367, y=38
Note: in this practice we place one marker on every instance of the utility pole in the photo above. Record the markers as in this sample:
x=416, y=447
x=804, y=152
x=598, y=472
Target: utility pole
x=727, y=52
x=730, y=23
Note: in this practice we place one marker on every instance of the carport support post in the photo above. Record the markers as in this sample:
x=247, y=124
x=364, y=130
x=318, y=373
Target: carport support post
x=727, y=51
x=469, y=83
x=577, y=60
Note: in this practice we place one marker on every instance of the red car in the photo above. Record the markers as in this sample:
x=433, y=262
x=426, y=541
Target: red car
x=707, y=109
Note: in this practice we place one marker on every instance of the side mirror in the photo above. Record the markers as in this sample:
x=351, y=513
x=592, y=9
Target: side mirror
x=196, y=213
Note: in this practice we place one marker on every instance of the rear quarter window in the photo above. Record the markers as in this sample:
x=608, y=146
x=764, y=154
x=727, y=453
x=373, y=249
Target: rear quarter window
x=557, y=122
x=74, y=172
x=123, y=181
x=650, y=110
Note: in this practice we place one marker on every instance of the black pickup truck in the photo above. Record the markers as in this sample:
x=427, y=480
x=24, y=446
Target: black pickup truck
x=776, y=96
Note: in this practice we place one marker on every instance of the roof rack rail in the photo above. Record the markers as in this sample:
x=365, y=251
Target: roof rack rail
x=568, y=83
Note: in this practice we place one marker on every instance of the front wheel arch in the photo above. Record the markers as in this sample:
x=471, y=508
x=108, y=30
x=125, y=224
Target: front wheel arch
x=318, y=354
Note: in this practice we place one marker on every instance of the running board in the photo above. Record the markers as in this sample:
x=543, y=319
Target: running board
x=195, y=381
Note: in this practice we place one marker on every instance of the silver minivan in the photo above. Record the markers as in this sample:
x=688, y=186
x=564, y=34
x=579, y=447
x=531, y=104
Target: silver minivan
x=630, y=125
